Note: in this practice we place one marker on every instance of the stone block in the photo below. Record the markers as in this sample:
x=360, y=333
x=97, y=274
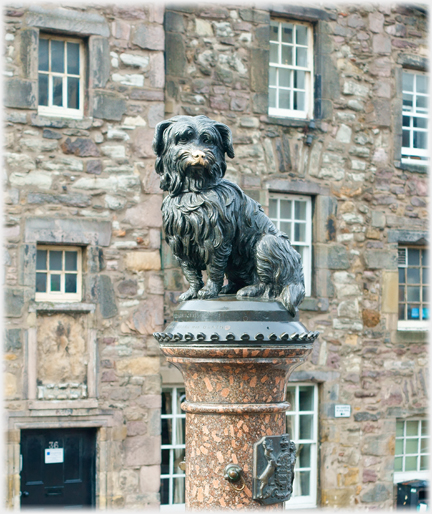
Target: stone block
x=377, y=445
x=16, y=117
x=333, y=256
x=203, y=28
x=157, y=72
x=376, y=22
x=390, y=295
x=138, y=366
x=381, y=259
x=81, y=147
x=143, y=261
x=142, y=142
x=95, y=259
x=146, y=214
x=94, y=167
x=259, y=59
x=378, y=219
x=20, y=94
x=353, y=88
x=156, y=114
x=337, y=497
x=378, y=493
x=27, y=265
x=175, y=52
x=174, y=22
x=29, y=53
x=120, y=29
x=108, y=106
x=9, y=385
x=383, y=112
x=325, y=219
x=111, y=184
x=13, y=302
x=323, y=283
x=100, y=62
x=128, y=287
x=381, y=44
x=149, y=479
x=106, y=297
x=51, y=134
x=142, y=451
x=70, y=199
x=12, y=339
x=148, y=318
x=66, y=20
x=149, y=37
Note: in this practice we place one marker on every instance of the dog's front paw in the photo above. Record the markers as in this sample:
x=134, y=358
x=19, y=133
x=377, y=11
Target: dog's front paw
x=210, y=290
x=190, y=294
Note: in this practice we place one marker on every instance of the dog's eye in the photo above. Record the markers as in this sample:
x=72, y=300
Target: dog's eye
x=183, y=139
x=207, y=140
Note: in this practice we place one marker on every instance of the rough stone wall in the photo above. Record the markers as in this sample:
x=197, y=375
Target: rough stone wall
x=98, y=169
x=364, y=204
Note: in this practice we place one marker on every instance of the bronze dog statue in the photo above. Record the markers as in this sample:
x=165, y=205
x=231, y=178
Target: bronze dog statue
x=210, y=224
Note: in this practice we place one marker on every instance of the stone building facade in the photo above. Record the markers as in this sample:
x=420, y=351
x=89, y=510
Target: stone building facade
x=84, y=185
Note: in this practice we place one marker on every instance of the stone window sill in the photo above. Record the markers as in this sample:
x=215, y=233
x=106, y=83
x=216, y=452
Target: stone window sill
x=63, y=404
x=61, y=307
x=314, y=304
x=413, y=168
x=285, y=122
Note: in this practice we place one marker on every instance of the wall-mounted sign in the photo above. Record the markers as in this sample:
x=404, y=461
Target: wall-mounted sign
x=53, y=455
x=342, y=411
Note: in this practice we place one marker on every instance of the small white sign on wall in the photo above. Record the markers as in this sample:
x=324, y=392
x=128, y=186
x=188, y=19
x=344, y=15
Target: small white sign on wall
x=53, y=455
x=342, y=411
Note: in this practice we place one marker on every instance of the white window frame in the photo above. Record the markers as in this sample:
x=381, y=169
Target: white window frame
x=307, y=113
x=307, y=261
x=55, y=110
x=61, y=296
x=411, y=324
x=179, y=507
x=402, y=476
x=407, y=153
x=305, y=502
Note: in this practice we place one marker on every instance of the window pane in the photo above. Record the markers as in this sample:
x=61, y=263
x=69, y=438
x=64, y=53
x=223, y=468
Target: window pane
x=304, y=455
x=179, y=490
x=402, y=312
x=55, y=283
x=407, y=81
x=421, y=103
x=411, y=446
x=287, y=55
x=300, y=210
x=301, y=37
x=274, y=32
x=284, y=99
x=422, y=84
x=419, y=122
x=305, y=483
x=272, y=97
x=73, y=92
x=164, y=491
x=399, y=447
x=413, y=311
x=406, y=121
x=285, y=209
x=43, y=55
x=424, y=465
x=424, y=445
x=55, y=260
x=272, y=76
x=424, y=428
x=165, y=462
x=306, y=398
x=73, y=62
x=41, y=282
x=420, y=140
x=412, y=428
x=306, y=426
x=300, y=232
x=401, y=293
x=398, y=464
x=166, y=402
x=299, y=101
x=179, y=455
x=413, y=275
x=70, y=283
x=43, y=89
x=290, y=396
x=410, y=463
x=41, y=259
x=71, y=261
x=407, y=101
x=57, y=56
x=413, y=257
x=57, y=91
x=401, y=275
x=274, y=57
x=290, y=427
x=181, y=397
x=287, y=32
x=284, y=78
x=285, y=226
x=167, y=431
x=301, y=59
x=425, y=313
x=425, y=294
x=300, y=79
x=425, y=261
x=273, y=208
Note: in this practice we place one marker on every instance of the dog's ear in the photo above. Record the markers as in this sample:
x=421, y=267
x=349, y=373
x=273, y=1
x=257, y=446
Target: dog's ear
x=158, y=143
x=226, y=135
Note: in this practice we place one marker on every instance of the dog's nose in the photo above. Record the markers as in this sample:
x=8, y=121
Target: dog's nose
x=198, y=154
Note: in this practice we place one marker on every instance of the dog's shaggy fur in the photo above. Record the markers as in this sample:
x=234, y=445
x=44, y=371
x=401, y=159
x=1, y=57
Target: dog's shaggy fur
x=210, y=224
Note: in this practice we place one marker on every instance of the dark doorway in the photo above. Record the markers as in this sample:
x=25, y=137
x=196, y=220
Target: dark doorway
x=58, y=468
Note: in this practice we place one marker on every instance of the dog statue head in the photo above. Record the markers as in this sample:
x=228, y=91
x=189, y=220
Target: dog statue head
x=191, y=153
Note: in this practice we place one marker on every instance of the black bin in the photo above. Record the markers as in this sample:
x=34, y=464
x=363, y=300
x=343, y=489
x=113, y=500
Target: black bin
x=413, y=493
